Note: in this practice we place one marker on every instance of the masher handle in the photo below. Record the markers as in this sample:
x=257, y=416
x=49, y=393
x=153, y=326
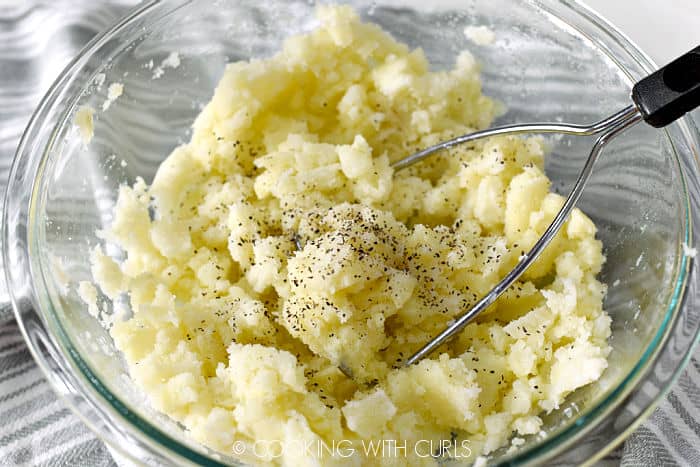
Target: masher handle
x=671, y=91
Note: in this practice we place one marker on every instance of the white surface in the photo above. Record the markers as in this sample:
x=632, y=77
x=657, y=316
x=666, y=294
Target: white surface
x=663, y=29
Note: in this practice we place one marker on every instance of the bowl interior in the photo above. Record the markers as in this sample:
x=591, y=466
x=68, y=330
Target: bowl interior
x=540, y=66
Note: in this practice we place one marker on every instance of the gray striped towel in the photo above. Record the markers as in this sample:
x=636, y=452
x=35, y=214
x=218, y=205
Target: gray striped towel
x=38, y=429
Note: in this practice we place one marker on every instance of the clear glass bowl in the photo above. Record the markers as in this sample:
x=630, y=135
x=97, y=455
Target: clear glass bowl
x=551, y=61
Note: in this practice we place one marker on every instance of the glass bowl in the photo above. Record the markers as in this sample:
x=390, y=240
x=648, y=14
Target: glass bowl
x=550, y=61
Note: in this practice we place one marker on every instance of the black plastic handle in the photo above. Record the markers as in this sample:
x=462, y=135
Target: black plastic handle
x=670, y=92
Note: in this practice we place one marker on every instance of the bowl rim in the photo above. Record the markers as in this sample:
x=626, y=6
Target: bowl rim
x=90, y=388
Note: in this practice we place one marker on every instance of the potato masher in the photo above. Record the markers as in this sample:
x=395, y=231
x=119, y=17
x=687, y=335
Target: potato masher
x=658, y=99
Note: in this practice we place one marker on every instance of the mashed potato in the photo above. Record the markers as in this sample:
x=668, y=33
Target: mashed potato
x=278, y=247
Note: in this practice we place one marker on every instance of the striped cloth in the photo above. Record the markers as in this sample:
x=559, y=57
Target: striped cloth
x=37, y=428
x=671, y=436
x=37, y=38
